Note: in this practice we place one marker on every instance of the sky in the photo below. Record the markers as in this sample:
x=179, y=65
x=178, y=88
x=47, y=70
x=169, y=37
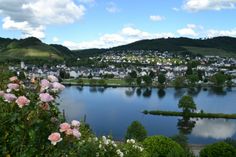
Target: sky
x=82, y=24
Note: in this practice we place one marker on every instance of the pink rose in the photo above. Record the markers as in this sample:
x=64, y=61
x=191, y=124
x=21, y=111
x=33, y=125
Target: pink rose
x=45, y=97
x=69, y=132
x=13, y=79
x=13, y=86
x=54, y=138
x=76, y=133
x=75, y=123
x=22, y=101
x=45, y=83
x=64, y=127
x=57, y=86
x=52, y=78
x=9, y=97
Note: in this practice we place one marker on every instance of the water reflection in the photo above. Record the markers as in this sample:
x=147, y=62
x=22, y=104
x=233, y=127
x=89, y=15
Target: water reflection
x=185, y=125
x=80, y=88
x=101, y=89
x=107, y=107
x=217, y=91
x=161, y=93
x=138, y=91
x=194, y=91
x=214, y=128
x=147, y=92
x=130, y=92
x=179, y=93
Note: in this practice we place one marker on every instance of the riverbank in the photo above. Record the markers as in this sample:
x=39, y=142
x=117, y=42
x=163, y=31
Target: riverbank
x=122, y=83
x=192, y=115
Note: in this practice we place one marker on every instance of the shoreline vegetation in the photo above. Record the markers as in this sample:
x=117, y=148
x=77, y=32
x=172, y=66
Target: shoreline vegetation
x=122, y=83
x=191, y=115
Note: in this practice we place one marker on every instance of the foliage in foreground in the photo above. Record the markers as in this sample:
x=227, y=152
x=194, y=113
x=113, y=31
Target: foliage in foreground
x=220, y=149
x=162, y=146
x=136, y=131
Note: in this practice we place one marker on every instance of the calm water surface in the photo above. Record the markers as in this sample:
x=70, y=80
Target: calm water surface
x=109, y=111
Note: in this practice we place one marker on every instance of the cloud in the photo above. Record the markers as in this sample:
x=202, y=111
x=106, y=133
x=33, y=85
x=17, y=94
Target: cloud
x=156, y=18
x=112, y=7
x=217, y=128
x=214, y=33
x=87, y=1
x=198, y=5
x=125, y=36
x=176, y=9
x=55, y=39
x=188, y=31
x=24, y=27
x=37, y=14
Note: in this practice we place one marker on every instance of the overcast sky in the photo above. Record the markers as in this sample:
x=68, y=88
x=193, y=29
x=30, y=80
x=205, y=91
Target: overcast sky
x=80, y=24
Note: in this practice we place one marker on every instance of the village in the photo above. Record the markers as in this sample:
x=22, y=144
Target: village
x=142, y=63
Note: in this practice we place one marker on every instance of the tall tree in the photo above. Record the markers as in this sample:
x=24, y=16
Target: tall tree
x=187, y=104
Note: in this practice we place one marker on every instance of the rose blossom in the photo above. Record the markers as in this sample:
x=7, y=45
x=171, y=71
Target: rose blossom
x=52, y=78
x=22, y=101
x=9, y=97
x=13, y=79
x=45, y=83
x=75, y=123
x=54, y=138
x=64, y=127
x=13, y=86
x=45, y=97
x=69, y=132
x=57, y=86
x=76, y=133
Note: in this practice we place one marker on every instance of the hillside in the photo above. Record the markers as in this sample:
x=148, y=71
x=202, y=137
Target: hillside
x=29, y=48
x=222, y=46
x=33, y=48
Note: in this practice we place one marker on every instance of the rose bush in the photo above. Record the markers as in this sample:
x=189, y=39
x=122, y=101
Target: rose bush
x=31, y=122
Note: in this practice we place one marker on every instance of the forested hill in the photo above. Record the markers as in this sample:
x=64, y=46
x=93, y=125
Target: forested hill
x=31, y=48
x=222, y=46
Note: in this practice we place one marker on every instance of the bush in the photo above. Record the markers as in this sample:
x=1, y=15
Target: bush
x=31, y=123
x=220, y=149
x=162, y=146
x=136, y=131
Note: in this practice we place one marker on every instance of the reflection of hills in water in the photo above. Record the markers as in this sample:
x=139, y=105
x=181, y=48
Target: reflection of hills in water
x=161, y=93
x=214, y=128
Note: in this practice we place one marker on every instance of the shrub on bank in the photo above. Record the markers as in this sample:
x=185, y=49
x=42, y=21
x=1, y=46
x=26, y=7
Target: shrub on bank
x=136, y=131
x=162, y=146
x=219, y=149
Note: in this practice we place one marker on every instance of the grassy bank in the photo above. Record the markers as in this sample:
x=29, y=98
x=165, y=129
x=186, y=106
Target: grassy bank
x=193, y=115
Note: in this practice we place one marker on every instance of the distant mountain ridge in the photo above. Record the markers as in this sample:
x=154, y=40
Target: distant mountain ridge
x=34, y=48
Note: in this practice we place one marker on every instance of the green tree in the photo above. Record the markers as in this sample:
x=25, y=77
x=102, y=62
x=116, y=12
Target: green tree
x=219, y=149
x=161, y=78
x=179, y=82
x=136, y=131
x=187, y=104
x=152, y=74
x=129, y=80
x=148, y=80
x=162, y=146
x=219, y=79
x=139, y=81
x=192, y=80
x=189, y=70
x=133, y=74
